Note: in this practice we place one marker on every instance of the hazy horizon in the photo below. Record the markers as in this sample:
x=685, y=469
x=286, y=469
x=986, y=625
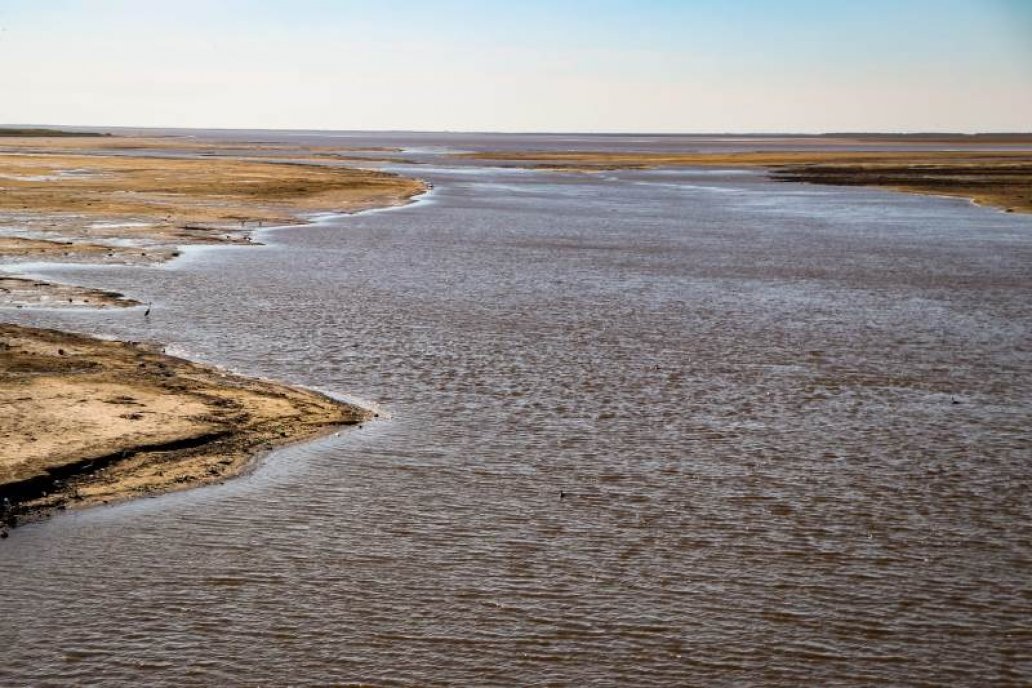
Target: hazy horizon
x=655, y=66
x=744, y=134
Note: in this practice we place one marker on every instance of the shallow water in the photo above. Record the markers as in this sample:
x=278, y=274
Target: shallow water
x=792, y=425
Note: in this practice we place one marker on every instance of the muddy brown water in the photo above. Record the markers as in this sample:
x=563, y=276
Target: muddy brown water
x=651, y=428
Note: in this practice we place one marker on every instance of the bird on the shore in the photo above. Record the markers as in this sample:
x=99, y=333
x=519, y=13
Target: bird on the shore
x=146, y=313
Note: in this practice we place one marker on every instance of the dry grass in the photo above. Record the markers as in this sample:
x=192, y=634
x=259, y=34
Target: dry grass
x=172, y=192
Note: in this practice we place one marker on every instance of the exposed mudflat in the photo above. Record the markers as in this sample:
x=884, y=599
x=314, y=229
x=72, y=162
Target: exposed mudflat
x=87, y=421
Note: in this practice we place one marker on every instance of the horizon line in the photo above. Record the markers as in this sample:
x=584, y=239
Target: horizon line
x=912, y=133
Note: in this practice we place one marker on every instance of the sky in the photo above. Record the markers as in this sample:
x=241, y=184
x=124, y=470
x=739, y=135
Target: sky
x=677, y=66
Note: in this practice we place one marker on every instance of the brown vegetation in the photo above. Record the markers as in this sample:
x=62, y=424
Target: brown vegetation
x=174, y=193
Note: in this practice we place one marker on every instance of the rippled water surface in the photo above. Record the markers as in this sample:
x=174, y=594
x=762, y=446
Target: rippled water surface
x=793, y=427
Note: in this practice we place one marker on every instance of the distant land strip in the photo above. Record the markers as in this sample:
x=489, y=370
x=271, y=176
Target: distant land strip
x=39, y=133
x=996, y=178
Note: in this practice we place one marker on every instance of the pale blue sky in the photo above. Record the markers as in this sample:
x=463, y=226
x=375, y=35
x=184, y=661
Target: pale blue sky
x=566, y=65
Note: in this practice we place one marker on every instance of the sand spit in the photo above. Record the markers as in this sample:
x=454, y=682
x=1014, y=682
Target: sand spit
x=20, y=292
x=87, y=421
x=1002, y=179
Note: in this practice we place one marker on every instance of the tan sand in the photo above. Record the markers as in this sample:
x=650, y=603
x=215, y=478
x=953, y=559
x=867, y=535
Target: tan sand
x=21, y=291
x=86, y=421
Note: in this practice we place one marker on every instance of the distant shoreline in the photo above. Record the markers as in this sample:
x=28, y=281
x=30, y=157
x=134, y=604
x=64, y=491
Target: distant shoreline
x=55, y=133
x=981, y=137
x=1001, y=179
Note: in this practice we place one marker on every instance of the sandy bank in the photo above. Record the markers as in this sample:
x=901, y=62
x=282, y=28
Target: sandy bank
x=17, y=291
x=86, y=421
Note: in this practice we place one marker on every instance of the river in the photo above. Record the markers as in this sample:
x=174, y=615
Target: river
x=646, y=428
